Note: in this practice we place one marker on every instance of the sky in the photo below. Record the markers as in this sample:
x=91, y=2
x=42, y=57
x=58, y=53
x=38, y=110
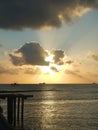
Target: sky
x=51, y=41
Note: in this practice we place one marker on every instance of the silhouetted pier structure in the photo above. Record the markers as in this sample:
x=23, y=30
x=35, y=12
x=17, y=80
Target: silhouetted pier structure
x=15, y=108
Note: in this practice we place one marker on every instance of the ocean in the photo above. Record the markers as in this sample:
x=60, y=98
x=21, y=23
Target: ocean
x=58, y=106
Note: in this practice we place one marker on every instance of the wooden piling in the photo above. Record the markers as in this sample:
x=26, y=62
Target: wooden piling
x=10, y=110
x=15, y=108
x=22, y=112
x=14, y=111
x=18, y=110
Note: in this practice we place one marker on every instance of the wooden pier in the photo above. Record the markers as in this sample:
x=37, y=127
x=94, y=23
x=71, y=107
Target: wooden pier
x=15, y=108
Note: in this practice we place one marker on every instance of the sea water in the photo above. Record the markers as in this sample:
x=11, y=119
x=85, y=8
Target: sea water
x=59, y=106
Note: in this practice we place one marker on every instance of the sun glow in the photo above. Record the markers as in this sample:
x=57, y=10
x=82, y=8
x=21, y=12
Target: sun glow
x=53, y=72
x=49, y=59
x=51, y=77
x=46, y=69
x=52, y=68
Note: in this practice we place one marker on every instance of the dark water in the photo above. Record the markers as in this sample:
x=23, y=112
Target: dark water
x=60, y=107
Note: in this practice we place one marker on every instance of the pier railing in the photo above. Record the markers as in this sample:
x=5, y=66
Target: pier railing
x=15, y=108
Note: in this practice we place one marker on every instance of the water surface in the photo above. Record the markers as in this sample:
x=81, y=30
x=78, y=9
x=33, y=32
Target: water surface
x=59, y=106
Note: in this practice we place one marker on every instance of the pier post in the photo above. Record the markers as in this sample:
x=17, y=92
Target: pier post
x=22, y=112
x=10, y=109
x=15, y=108
x=18, y=110
x=14, y=111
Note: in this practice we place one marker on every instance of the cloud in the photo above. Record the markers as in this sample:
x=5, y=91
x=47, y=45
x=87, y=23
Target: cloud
x=92, y=55
x=19, y=14
x=93, y=74
x=54, y=69
x=29, y=54
x=75, y=73
x=34, y=70
x=8, y=70
x=14, y=70
x=58, y=56
x=69, y=62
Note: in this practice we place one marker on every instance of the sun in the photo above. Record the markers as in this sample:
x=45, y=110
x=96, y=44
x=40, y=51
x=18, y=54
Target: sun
x=49, y=58
x=53, y=72
x=46, y=69
x=50, y=76
x=52, y=67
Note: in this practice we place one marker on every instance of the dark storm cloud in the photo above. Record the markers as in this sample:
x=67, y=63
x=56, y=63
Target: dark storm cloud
x=29, y=54
x=19, y=14
x=58, y=56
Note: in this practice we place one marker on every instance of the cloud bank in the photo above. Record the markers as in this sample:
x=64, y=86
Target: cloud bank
x=8, y=70
x=32, y=53
x=76, y=73
x=36, y=14
x=29, y=54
